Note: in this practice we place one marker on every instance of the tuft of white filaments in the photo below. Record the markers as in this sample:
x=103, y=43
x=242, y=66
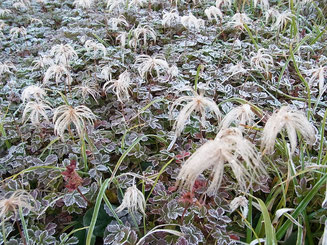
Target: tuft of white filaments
x=229, y=149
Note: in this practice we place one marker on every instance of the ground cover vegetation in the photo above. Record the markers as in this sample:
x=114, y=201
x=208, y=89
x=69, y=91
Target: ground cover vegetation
x=163, y=122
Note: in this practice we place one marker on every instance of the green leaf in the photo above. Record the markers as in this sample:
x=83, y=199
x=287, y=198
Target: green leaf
x=101, y=223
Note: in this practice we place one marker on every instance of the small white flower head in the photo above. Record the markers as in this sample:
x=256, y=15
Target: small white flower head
x=137, y=3
x=196, y=102
x=83, y=3
x=4, y=12
x=291, y=121
x=271, y=14
x=224, y=3
x=34, y=110
x=120, y=86
x=63, y=54
x=190, y=21
x=170, y=18
x=15, y=32
x=173, y=71
x=122, y=38
x=88, y=88
x=318, y=74
x=133, y=200
x=59, y=72
x=116, y=5
x=282, y=19
x=33, y=92
x=21, y=4
x=114, y=22
x=145, y=64
x=228, y=148
x=106, y=72
x=42, y=62
x=6, y=68
x=66, y=115
x=241, y=115
x=235, y=69
x=95, y=48
x=19, y=198
x=146, y=31
x=238, y=20
x=241, y=202
x=213, y=13
x=2, y=25
x=264, y=4
x=36, y=21
x=261, y=61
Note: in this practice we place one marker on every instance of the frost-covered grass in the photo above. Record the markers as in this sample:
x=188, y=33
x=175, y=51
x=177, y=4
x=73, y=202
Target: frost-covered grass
x=163, y=122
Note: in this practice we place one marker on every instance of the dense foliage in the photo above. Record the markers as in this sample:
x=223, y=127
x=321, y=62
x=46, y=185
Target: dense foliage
x=103, y=102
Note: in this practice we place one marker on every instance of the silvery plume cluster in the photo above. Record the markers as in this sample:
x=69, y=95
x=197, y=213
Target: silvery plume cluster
x=231, y=149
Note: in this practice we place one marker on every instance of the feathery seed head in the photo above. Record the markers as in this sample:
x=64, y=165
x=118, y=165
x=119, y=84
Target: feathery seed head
x=318, y=74
x=146, y=31
x=35, y=111
x=15, y=32
x=5, y=67
x=66, y=115
x=261, y=61
x=33, y=92
x=227, y=149
x=114, y=22
x=133, y=200
x=63, y=54
x=147, y=63
x=170, y=17
x=213, y=13
x=19, y=198
x=95, y=48
x=190, y=21
x=83, y=3
x=238, y=21
x=242, y=202
x=58, y=71
x=120, y=86
x=242, y=115
x=291, y=121
x=198, y=103
x=87, y=88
